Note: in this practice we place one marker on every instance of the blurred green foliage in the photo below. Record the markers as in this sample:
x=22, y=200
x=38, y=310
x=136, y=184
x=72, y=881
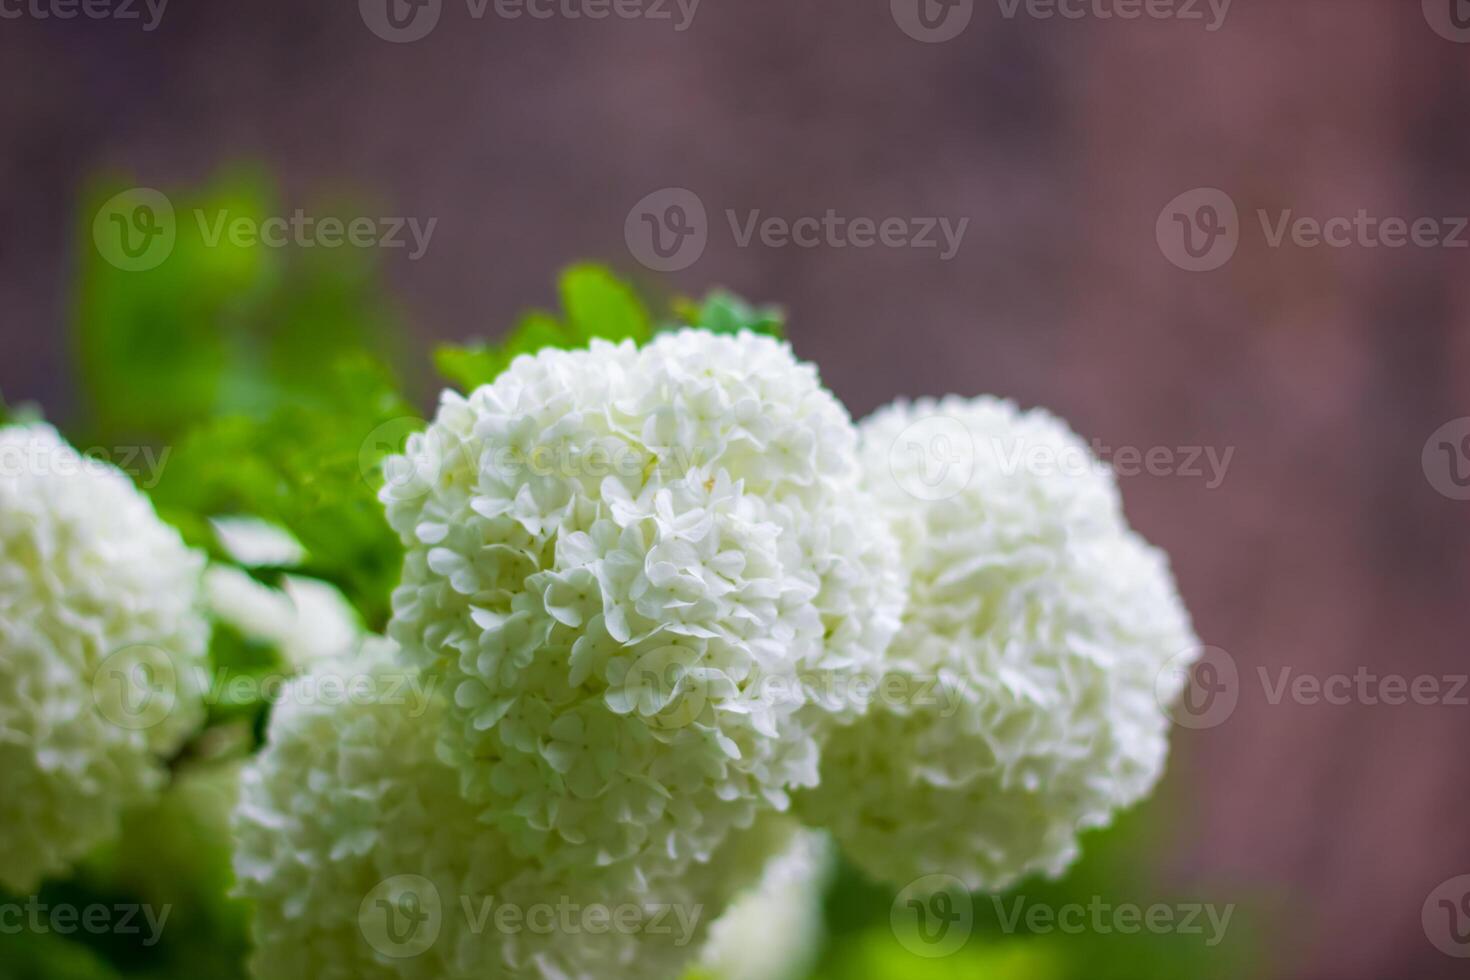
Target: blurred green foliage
x=1118, y=868
x=596, y=304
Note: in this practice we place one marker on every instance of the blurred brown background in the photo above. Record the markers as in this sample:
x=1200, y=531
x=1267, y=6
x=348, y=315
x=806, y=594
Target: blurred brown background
x=1325, y=548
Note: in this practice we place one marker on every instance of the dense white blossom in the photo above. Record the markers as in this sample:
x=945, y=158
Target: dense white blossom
x=644, y=575
x=1036, y=630
x=363, y=861
x=101, y=651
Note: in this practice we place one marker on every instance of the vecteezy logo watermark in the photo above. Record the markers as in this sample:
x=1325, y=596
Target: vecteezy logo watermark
x=667, y=688
x=1198, y=230
x=1102, y=917
x=401, y=916
x=404, y=21
x=1198, y=688
x=933, y=916
x=669, y=229
x=1446, y=917
x=933, y=459
x=932, y=21
x=400, y=21
x=137, y=230
x=1211, y=12
x=136, y=687
x=148, y=12
x=1446, y=459
x=122, y=919
x=1450, y=19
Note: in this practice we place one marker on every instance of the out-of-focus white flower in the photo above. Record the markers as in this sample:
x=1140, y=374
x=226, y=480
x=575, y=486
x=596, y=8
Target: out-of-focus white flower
x=1036, y=630
x=633, y=568
x=774, y=931
x=256, y=543
x=363, y=860
x=101, y=651
x=306, y=619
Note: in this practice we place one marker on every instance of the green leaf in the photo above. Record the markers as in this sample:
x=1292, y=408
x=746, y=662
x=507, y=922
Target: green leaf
x=596, y=305
x=468, y=366
x=599, y=304
x=724, y=312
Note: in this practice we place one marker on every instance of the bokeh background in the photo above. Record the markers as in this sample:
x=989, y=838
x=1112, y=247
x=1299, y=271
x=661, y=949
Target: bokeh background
x=1325, y=548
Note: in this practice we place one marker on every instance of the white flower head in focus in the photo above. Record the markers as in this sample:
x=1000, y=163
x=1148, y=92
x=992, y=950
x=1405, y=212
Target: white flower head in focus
x=101, y=651
x=1041, y=621
x=644, y=575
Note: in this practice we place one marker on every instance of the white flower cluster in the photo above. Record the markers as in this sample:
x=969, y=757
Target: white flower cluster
x=1043, y=621
x=634, y=569
x=101, y=652
x=364, y=861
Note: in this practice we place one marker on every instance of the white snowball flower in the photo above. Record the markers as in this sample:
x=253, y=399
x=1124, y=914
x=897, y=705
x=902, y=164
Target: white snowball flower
x=774, y=930
x=1036, y=630
x=644, y=574
x=363, y=860
x=101, y=651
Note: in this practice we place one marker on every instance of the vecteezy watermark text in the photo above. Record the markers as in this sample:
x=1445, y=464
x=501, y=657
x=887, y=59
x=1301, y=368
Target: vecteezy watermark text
x=143, y=463
x=1207, y=463
x=1102, y=917
x=1211, y=12
x=138, y=687
x=149, y=13
x=935, y=458
x=305, y=231
x=405, y=21
x=404, y=915
x=63, y=919
x=936, y=21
